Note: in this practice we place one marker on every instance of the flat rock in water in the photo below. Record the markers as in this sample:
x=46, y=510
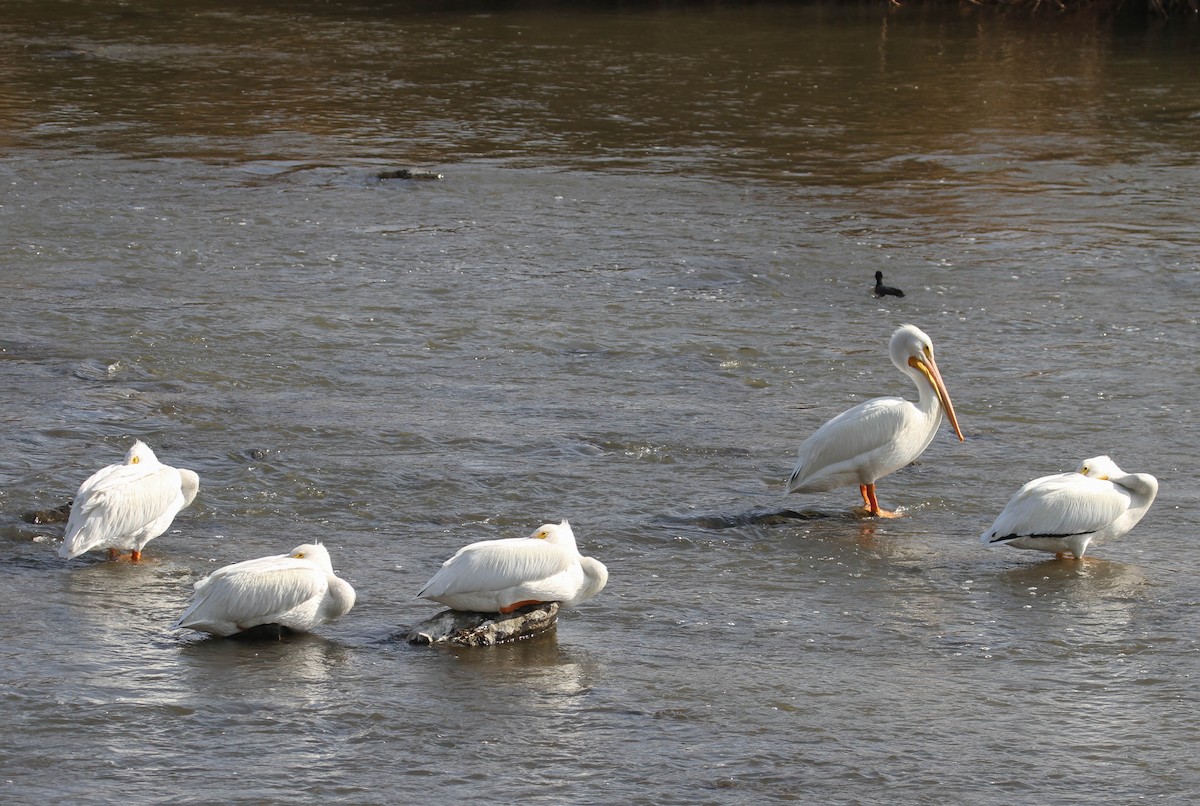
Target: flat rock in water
x=410, y=173
x=56, y=515
x=461, y=628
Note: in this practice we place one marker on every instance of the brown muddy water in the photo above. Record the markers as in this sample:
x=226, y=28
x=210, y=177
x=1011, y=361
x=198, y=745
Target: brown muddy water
x=644, y=278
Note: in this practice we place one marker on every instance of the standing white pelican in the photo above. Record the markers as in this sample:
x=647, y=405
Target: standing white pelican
x=297, y=590
x=127, y=505
x=500, y=576
x=879, y=436
x=1070, y=511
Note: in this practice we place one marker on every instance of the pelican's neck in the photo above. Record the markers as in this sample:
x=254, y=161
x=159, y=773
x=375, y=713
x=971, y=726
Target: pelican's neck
x=927, y=398
x=596, y=577
x=189, y=486
x=341, y=596
x=1142, y=486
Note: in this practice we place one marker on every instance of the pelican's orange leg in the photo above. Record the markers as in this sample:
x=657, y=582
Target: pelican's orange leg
x=873, y=504
x=113, y=554
x=515, y=606
x=135, y=556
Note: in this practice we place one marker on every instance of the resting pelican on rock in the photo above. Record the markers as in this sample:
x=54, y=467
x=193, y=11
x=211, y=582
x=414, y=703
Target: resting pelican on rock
x=882, y=435
x=297, y=590
x=501, y=576
x=1070, y=511
x=127, y=505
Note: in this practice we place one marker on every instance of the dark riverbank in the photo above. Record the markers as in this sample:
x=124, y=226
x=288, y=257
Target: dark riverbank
x=1131, y=9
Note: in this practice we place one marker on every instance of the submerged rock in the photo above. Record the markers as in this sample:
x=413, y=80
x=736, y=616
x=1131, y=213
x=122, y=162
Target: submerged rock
x=410, y=173
x=264, y=632
x=462, y=628
x=773, y=517
x=56, y=515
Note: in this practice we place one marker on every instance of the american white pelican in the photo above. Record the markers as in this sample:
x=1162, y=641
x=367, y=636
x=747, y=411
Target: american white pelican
x=1070, y=511
x=125, y=506
x=500, y=576
x=297, y=590
x=881, y=435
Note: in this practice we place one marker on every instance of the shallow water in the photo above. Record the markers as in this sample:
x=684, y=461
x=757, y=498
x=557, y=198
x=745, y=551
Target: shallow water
x=643, y=280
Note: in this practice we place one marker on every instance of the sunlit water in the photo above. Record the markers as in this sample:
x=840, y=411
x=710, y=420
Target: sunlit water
x=644, y=279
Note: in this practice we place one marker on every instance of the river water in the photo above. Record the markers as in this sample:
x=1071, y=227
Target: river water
x=644, y=278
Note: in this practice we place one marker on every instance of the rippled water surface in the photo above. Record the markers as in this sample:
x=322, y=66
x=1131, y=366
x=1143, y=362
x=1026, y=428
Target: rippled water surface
x=644, y=278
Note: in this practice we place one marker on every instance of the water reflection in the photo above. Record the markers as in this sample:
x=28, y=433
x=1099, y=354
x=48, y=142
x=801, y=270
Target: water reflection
x=1061, y=611
x=538, y=666
x=309, y=662
x=1099, y=598
x=111, y=598
x=539, y=651
x=1084, y=579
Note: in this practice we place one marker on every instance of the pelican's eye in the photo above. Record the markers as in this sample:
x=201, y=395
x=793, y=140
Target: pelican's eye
x=135, y=460
x=542, y=535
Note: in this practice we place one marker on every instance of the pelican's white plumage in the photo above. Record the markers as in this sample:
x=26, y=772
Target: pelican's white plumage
x=500, y=576
x=882, y=435
x=297, y=590
x=125, y=506
x=1071, y=511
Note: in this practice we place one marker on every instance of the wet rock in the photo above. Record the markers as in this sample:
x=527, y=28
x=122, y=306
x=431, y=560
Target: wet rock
x=410, y=173
x=460, y=628
x=773, y=517
x=56, y=515
x=264, y=632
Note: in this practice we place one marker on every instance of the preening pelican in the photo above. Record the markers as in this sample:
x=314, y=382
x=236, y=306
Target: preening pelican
x=500, y=576
x=882, y=435
x=127, y=505
x=297, y=590
x=1070, y=511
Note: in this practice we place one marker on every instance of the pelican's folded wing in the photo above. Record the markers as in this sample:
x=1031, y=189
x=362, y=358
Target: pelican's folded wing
x=119, y=503
x=495, y=565
x=830, y=452
x=253, y=590
x=1065, y=504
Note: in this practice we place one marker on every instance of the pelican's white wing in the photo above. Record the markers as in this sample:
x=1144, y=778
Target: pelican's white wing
x=493, y=565
x=1063, y=504
x=120, y=500
x=248, y=592
x=830, y=456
